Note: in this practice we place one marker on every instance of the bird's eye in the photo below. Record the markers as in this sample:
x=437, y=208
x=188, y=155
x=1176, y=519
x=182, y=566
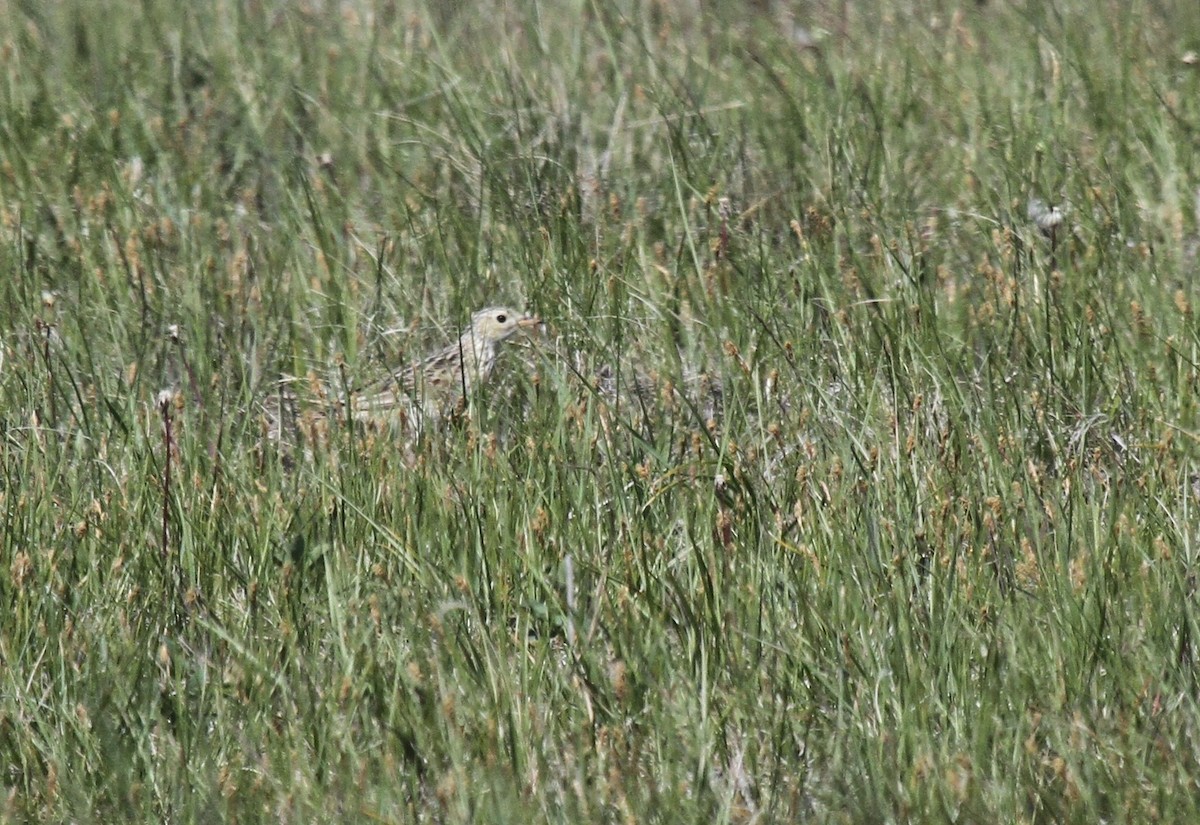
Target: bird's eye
x=501, y=318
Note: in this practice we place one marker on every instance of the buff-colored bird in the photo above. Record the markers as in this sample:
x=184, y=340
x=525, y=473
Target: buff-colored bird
x=425, y=390
x=440, y=380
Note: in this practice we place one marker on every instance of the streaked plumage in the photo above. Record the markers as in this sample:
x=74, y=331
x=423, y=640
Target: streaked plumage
x=428, y=388
x=438, y=381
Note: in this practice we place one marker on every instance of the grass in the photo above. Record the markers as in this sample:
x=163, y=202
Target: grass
x=929, y=557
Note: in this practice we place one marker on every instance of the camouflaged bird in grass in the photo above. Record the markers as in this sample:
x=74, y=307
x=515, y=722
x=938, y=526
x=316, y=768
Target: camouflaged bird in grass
x=440, y=380
x=429, y=389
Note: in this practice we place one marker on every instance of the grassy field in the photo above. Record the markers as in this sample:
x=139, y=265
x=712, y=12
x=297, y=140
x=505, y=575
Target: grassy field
x=840, y=486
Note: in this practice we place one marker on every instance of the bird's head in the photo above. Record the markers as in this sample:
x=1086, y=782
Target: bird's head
x=495, y=324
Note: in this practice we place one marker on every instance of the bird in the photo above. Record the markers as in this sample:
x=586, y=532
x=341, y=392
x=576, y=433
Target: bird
x=439, y=381
x=426, y=390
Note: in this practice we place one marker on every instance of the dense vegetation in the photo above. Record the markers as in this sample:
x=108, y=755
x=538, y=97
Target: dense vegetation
x=848, y=480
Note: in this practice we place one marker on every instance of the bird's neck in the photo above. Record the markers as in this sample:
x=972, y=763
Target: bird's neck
x=478, y=353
